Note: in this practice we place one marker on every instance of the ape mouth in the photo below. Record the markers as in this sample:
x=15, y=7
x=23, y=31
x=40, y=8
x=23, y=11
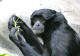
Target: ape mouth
x=38, y=31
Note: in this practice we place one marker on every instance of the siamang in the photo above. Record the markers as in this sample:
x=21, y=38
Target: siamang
x=58, y=37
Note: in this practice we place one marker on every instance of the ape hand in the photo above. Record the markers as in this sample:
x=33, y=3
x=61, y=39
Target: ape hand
x=16, y=38
x=15, y=21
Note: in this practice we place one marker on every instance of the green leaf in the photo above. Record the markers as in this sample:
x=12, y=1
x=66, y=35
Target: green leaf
x=5, y=54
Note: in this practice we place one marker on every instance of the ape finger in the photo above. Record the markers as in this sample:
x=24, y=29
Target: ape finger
x=13, y=35
x=21, y=23
x=21, y=39
x=20, y=36
x=11, y=21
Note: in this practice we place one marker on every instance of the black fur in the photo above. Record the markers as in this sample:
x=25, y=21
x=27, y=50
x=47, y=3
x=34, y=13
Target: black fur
x=59, y=38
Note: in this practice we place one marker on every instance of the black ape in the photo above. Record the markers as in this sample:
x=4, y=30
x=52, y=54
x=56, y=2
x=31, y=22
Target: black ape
x=58, y=37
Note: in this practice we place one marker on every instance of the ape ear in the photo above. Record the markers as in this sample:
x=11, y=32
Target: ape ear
x=59, y=17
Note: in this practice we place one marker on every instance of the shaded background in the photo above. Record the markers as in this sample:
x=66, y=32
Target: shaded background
x=24, y=8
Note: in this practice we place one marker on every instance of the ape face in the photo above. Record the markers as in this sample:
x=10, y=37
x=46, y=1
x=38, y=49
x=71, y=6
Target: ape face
x=38, y=25
x=39, y=19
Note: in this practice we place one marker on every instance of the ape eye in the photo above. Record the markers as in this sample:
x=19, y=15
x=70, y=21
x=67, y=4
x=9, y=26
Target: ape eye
x=41, y=19
x=34, y=21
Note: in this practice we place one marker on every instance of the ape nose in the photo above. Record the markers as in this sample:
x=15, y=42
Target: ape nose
x=38, y=25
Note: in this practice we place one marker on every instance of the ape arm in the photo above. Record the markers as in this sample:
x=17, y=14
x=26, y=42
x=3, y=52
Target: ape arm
x=29, y=36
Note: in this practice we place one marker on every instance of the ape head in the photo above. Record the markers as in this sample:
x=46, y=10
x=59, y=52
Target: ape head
x=39, y=18
x=42, y=20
